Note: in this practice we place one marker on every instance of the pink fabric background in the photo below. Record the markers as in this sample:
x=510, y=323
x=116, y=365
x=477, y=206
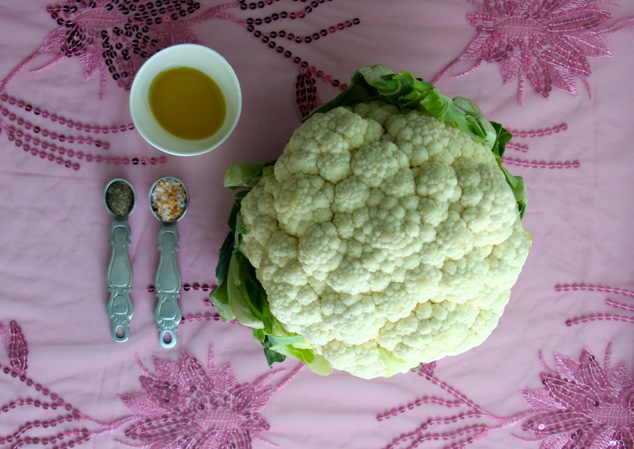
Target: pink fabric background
x=54, y=239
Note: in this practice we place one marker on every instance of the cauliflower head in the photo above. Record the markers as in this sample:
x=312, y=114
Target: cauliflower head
x=384, y=238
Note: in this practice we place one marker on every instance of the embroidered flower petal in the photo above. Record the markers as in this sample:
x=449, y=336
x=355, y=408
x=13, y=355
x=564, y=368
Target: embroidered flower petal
x=161, y=428
x=165, y=369
x=91, y=62
x=474, y=49
x=260, y=397
x=99, y=18
x=556, y=422
x=224, y=381
x=590, y=44
x=54, y=41
x=17, y=349
x=537, y=76
x=510, y=67
x=566, y=367
x=620, y=377
x=257, y=423
x=557, y=441
x=165, y=393
x=601, y=439
x=196, y=375
x=239, y=440
x=541, y=400
x=570, y=393
x=578, y=19
x=562, y=80
x=563, y=54
x=592, y=373
x=142, y=404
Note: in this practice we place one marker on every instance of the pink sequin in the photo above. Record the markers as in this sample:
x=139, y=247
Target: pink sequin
x=545, y=42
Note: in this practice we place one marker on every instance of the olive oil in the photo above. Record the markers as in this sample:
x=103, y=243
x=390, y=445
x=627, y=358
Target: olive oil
x=187, y=103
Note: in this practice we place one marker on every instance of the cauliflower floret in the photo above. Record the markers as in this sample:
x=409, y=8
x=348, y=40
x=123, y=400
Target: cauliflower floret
x=385, y=238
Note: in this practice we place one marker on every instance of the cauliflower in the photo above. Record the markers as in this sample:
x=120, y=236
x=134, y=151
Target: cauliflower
x=381, y=238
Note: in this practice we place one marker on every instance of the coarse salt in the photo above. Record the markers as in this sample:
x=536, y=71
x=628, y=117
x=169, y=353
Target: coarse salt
x=169, y=199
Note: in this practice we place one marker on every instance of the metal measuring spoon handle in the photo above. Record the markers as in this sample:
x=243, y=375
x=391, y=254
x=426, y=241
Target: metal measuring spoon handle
x=119, y=307
x=168, y=202
x=119, y=275
x=167, y=313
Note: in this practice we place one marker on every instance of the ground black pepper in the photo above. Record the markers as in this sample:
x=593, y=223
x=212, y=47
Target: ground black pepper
x=120, y=198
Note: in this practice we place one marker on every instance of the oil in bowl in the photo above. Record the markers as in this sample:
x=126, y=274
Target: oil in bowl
x=185, y=100
x=187, y=103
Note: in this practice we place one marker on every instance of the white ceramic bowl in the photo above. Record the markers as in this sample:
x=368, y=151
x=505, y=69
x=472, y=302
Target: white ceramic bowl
x=197, y=57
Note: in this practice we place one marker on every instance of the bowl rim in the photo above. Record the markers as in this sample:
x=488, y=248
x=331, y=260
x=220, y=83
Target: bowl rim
x=164, y=55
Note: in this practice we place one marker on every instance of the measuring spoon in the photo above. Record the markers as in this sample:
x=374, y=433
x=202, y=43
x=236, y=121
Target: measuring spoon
x=168, y=202
x=119, y=198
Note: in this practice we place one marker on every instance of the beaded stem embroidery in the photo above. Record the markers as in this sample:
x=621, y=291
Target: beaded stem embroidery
x=57, y=423
x=583, y=405
x=545, y=42
x=601, y=316
x=523, y=148
x=32, y=129
x=455, y=430
x=306, y=98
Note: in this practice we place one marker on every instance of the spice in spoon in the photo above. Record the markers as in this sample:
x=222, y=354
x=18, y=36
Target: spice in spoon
x=169, y=200
x=120, y=198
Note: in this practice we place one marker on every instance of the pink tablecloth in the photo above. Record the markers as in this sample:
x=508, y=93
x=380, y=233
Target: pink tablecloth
x=556, y=371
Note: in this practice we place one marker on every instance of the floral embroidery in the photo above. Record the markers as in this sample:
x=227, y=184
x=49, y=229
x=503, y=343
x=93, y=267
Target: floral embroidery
x=114, y=37
x=547, y=42
x=188, y=405
x=183, y=403
x=117, y=36
x=601, y=316
x=583, y=405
